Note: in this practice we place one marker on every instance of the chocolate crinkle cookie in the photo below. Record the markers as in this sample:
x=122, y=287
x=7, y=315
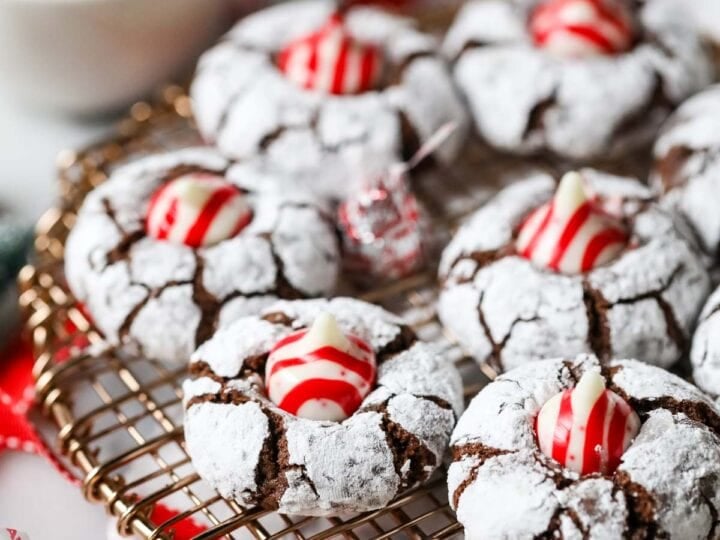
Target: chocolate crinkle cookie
x=579, y=79
x=687, y=167
x=594, y=266
x=587, y=449
x=319, y=407
x=305, y=88
x=171, y=246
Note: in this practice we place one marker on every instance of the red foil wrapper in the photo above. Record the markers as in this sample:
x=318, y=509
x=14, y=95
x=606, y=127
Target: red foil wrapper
x=381, y=227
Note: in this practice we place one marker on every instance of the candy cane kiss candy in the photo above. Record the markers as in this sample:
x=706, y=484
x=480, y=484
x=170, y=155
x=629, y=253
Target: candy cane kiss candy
x=332, y=61
x=571, y=233
x=320, y=373
x=197, y=209
x=578, y=28
x=587, y=428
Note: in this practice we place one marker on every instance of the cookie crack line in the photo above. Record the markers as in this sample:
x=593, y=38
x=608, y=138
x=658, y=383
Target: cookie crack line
x=151, y=294
x=274, y=460
x=698, y=412
x=121, y=252
x=536, y=118
x=640, y=503
x=483, y=454
x=674, y=330
x=713, y=514
x=405, y=447
x=271, y=479
x=482, y=259
x=597, y=306
x=468, y=46
x=206, y=302
x=555, y=523
x=283, y=288
x=494, y=360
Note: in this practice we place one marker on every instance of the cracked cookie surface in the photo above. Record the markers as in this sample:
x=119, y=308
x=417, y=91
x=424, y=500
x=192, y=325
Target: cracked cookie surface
x=527, y=101
x=667, y=486
x=245, y=105
x=687, y=166
x=252, y=451
x=167, y=297
x=505, y=311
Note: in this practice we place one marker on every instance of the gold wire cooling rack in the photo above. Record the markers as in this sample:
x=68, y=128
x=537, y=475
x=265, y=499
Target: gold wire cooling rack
x=119, y=417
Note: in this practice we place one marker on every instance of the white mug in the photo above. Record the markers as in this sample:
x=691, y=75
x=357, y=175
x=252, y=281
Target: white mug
x=93, y=56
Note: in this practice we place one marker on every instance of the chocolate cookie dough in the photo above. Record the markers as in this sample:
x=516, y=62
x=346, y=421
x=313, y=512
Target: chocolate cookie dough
x=294, y=87
x=172, y=246
x=258, y=449
x=666, y=484
x=509, y=305
x=533, y=88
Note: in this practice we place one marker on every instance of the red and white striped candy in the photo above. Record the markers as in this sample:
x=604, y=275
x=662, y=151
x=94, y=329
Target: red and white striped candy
x=570, y=234
x=577, y=28
x=320, y=373
x=331, y=60
x=197, y=209
x=588, y=428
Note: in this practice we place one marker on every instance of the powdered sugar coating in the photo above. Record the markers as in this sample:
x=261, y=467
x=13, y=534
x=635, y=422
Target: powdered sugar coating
x=394, y=441
x=507, y=312
x=687, y=168
x=526, y=100
x=706, y=16
x=168, y=297
x=667, y=482
x=705, y=352
x=245, y=105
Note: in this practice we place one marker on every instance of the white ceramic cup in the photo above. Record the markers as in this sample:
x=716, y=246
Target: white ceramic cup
x=94, y=56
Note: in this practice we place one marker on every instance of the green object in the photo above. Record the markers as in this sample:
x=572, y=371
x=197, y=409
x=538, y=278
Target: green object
x=15, y=242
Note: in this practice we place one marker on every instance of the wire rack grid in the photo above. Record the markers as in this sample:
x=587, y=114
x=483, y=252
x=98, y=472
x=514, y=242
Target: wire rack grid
x=119, y=416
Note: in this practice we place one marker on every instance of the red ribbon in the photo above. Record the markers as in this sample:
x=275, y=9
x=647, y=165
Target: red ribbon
x=17, y=432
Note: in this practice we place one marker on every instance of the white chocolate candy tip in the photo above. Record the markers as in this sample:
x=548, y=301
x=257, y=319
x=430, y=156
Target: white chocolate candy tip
x=586, y=393
x=591, y=383
x=325, y=331
x=570, y=194
x=195, y=191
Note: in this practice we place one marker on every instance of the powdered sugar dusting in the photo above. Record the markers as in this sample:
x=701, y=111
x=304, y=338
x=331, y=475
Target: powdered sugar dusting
x=673, y=462
x=151, y=292
x=225, y=425
x=508, y=312
x=245, y=105
x=688, y=164
x=526, y=100
x=705, y=352
x=396, y=439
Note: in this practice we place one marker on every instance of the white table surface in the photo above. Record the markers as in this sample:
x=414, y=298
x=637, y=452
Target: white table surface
x=33, y=497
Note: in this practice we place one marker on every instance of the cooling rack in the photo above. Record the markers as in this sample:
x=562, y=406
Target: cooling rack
x=119, y=416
